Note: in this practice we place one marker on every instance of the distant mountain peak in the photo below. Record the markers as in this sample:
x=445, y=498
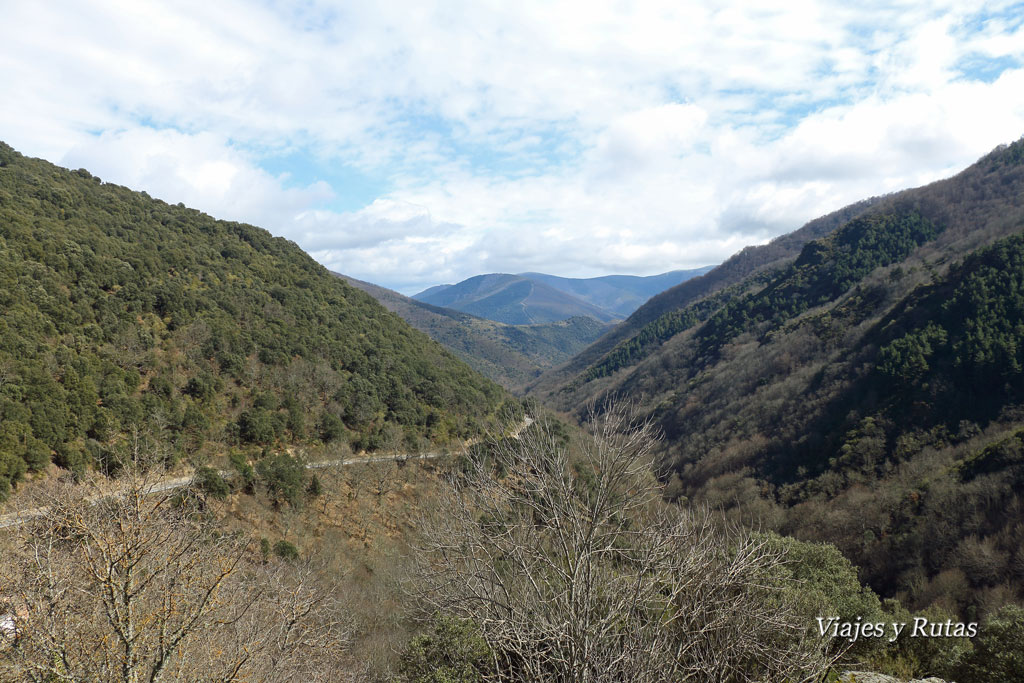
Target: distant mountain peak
x=528, y=298
x=511, y=355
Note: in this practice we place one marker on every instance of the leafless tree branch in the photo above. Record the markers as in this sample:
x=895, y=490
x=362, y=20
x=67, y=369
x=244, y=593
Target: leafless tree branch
x=140, y=586
x=575, y=570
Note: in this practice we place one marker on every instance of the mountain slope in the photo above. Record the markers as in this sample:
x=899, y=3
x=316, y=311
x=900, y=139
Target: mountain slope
x=508, y=354
x=511, y=299
x=748, y=262
x=867, y=393
x=619, y=294
x=119, y=312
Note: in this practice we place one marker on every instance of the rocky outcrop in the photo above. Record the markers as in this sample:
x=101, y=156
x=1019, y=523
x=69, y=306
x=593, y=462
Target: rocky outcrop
x=870, y=677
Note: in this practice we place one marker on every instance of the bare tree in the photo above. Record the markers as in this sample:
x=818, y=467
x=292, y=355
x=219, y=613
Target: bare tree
x=137, y=585
x=574, y=570
x=382, y=472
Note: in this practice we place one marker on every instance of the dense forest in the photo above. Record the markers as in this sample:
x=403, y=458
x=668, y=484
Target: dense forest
x=119, y=312
x=866, y=392
x=825, y=269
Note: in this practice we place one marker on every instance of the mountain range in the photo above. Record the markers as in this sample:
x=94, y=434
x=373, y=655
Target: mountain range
x=530, y=298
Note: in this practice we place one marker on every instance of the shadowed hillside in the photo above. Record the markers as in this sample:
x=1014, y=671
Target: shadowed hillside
x=750, y=261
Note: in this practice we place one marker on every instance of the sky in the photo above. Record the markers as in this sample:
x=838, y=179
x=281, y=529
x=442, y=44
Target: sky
x=417, y=143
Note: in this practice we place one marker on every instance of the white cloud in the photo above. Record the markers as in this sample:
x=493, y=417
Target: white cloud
x=578, y=138
x=201, y=170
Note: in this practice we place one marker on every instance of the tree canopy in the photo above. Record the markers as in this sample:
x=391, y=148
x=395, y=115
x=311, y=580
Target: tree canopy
x=118, y=310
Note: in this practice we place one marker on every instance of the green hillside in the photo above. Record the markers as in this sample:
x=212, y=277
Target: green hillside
x=867, y=392
x=119, y=312
x=511, y=355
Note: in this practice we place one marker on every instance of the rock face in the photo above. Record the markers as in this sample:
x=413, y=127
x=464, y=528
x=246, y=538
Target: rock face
x=870, y=677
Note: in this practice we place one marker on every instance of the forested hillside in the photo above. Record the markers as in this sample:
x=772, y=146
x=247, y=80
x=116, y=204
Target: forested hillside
x=119, y=312
x=660, y=317
x=511, y=355
x=867, y=393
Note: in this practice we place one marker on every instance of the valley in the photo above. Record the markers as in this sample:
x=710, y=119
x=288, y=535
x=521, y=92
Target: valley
x=538, y=297
x=511, y=355
x=847, y=396
x=528, y=342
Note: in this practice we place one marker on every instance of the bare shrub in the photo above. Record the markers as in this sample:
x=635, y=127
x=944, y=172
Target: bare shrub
x=574, y=570
x=135, y=585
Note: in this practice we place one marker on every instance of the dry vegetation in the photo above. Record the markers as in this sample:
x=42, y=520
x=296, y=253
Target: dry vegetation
x=573, y=569
x=345, y=540
x=566, y=561
x=136, y=587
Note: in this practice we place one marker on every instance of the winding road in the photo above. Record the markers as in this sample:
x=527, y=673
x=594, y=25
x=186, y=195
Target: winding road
x=23, y=516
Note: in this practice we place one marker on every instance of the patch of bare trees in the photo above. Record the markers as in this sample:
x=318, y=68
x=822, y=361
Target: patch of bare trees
x=574, y=570
x=139, y=586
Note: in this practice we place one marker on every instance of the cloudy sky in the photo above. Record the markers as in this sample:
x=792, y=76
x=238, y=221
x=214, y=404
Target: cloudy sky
x=417, y=143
